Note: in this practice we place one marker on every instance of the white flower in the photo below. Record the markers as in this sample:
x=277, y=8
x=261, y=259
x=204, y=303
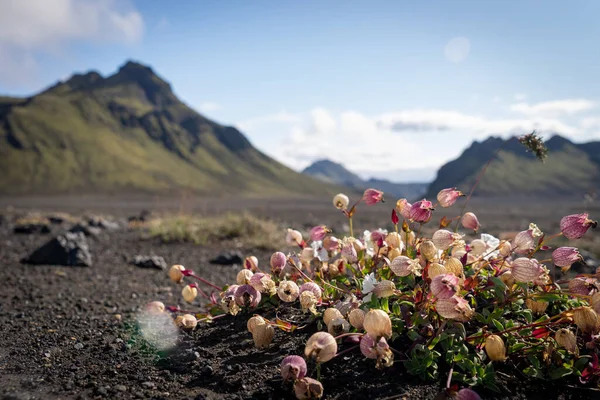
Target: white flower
x=320, y=251
x=536, y=232
x=491, y=246
x=370, y=243
x=368, y=285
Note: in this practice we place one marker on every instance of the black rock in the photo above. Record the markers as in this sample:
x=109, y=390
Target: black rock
x=144, y=216
x=31, y=228
x=99, y=222
x=155, y=262
x=69, y=249
x=86, y=230
x=227, y=258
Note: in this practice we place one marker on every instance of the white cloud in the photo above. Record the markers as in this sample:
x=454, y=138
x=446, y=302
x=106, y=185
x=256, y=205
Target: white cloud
x=279, y=117
x=209, y=106
x=553, y=108
x=520, y=96
x=33, y=26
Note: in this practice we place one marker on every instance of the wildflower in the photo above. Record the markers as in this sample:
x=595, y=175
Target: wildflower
x=566, y=338
x=186, y=321
x=307, y=254
x=377, y=323
x=228, y=300
x=292, y=368
x=373, y=196
x=596, y=302
x=535, y=231
x=535, y=144
x=331, y=243
x=308, y=388
x=428, y=250
x=470, y=221
x=311, y=287
x=357, y=318
x=444, y=286
x=379, y=350
x=583, y=286
x=338, y=326
x=263, y=283
x=308, y=302
x=526, y=270
x=319, y=232
x=243, y=277
x=263, y=335
x=421, y=211
x=467, y=394
x=564, y=257
x=477, y=247
x=277, y=261
x=576, y=225
x=341, y=201
x=455, y=308
x=369, y=283
x=538, y=307
x=444, y=239
x=403, y=207
x=384, y=289
x=176, y=274
x=288, y=291
x=155, y=307
x=495, y=349
x=586, y=319
x=491, y=246
x=349, y=252
x=321, y=347
x=330, y=314
x=189, y=292
x=247, y=296
x=293, y=238
x=436, y=269
x=394, y=241
x=251, y=263
x=447, y=197
x=524, y=242
x=454, y=266
x=404, y=266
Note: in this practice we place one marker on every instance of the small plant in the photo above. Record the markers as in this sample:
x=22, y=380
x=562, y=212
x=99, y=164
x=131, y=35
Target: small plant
x=437, y=304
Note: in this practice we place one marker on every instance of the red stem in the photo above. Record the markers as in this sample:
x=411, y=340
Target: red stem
x=206, y=282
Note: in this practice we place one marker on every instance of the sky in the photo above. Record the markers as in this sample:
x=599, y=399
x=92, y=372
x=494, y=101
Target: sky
x=390, y=89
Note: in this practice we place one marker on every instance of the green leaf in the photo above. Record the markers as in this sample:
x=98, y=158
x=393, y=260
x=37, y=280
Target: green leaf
x=498, y=325
x=560, y=372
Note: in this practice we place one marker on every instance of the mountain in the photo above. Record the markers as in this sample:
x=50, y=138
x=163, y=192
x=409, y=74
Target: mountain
x=331, y=172
x=569, y=169
x=129, y=132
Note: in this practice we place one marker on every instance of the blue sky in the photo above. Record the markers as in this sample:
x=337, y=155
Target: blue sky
x=389, y=88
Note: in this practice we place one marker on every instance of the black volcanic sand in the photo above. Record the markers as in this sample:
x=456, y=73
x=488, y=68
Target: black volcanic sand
x=70, y=333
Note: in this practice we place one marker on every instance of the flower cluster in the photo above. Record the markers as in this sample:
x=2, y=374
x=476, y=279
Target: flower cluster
x=461, y=301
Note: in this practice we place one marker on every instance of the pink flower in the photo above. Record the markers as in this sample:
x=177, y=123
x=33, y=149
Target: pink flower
x=447, y=197
x=278, y=261
x=443, y=239
x=444, y=286
x=292, y=368
x=247, y=296
x=311, y=287
x=583, y=286
x=524, y=242
x=421, y=211
x=526, y=270
x=470, y=221
x=565, y=256
x=403, y=207
x=373, y=196
x=404, y=266
x=467, y=394
x=349, y=252
x=318, y=233
x=455, y=308
x=576, y=225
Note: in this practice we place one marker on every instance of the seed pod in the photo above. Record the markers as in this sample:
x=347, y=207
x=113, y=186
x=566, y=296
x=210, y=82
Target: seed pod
x=308, y=388
x=478, y=247
x=428, y=250
x=338, y=326
x=312, y=287
x=377, y=323
x=175, y=273
x=596, y=302
x=243, y=277
x=277, y=261
x=292, y=368
x=404, y=266
x=155, y=307
x=444, y=286
x=321, y=347
x=454, y=266
x=189, y=293
x=247, y=296
x=251, y=263
x=436, y=269
x=455, y=308
x=341, y=201
x=384, y=289
x=293, y=237
x=443, y=239
x=254, y=321
x=357, y=318
x=186, y=321
x=394, y=240
x=470, y=221
x=567, y=339
x=288, y=291
x=525, y=270
x=538, y=307
x=495, y=349
x=331, y=314
x=586, y=319
x=263, y=335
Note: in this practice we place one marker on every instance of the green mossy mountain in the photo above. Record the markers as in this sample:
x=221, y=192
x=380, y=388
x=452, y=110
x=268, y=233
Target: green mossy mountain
x=570, y=169
x=128, y=132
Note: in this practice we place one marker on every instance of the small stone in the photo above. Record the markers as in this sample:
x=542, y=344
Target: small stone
x=121, y=388
x=146, y=262
x=228, y=258
x=148, y=385
x=207, y=370
x=78, y=346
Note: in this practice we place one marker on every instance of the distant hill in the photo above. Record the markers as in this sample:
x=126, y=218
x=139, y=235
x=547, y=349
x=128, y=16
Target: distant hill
x=331, y=172
x=129, y=132
x=569, y=169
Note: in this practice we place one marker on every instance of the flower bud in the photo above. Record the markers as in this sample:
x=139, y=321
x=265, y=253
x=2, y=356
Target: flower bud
x=243, y=277
x=567, y=339
x=443, y=239
x=403, y=207
x=447, y=197
x=444, y=286
x=321, y=347
x=189, y=293
x=278, y=261
x=436, y=269
x=394, y=241
x=377, y=323
x=470, y=221
x=478, y=247
x=293, y=237
x=538, y=307
x=404, y=266
x=288, y=291
x=155, y=307
x=338, y=326
x=175, y=273
x=467, y=394
x=524, y=242
x=454, y=266
x=564, y=257
x=576, y=225
x=263, y=335
x=186, y=322
x=307, y=254
x=525, y=270
x=428, y=250
x=331, y=314
x=247, y=296
x=253, y=322
x=341, y=201
x=357, y=318
x=312, y=287
x=251, y=263
x=495, y=349
x=292, y=368
x=455, y=308
x=421, y=211
x=372, y=196
x=586, y=319
x=384, y=289
x=331, y=243
x=308, y=301
x=308, y=388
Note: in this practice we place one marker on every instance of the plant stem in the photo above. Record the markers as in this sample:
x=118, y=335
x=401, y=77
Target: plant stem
x=345, y=351
x=348, y=334
x=319, y=371
x=516, y=328
x=206, y=282
x=351, y=229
